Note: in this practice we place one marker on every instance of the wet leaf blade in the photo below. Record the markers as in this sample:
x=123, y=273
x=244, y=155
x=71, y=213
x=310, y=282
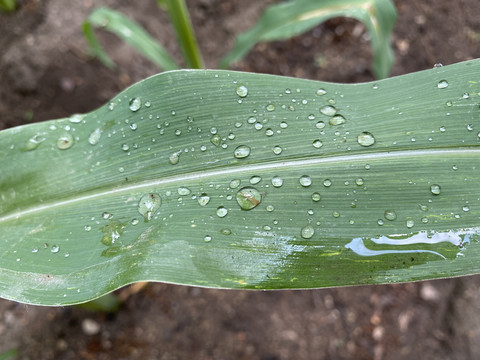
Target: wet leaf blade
x=130, y=32
x=238, y=180
x=285, y=20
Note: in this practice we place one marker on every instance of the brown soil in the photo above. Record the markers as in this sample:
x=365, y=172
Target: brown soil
x=45, y=74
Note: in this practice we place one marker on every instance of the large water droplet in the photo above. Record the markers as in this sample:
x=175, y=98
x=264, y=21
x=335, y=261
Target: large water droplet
x=94, y=136
x=34, y=142
x=203, y=199
x=242, y=90
x=222, y=212
x=305, y=180
x=234, y=183
x=307, y=232
x=241, y=152
x=328, y=110
x=76, y=118
x=135, y=104
x=65, y=141
x=442, y=84
x=366, y=139
x=255, y=179
x=435, y=189
x=248, y=198
x=317, y=144
x=277, y=150
x=148, y=204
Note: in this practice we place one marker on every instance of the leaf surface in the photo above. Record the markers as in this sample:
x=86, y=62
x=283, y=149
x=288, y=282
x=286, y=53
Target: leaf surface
x=247, y=181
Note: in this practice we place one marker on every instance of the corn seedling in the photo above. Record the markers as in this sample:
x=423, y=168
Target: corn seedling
x=235, y=180
x=279, y=22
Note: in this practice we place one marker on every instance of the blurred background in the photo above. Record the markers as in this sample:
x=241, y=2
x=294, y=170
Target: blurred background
x=46, y=74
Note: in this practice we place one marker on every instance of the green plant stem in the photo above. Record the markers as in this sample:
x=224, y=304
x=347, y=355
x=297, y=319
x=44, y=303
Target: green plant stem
x=178, y=12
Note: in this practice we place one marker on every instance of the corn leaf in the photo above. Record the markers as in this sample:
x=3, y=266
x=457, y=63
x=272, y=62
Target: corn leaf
x=130, y=32
x=247, y=181
x=292, y=18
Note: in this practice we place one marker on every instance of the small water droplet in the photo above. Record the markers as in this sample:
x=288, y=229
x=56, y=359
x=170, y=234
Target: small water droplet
x=133, y=126
x=148, y=205
x=380, y=222
x=248, y=198
x=320, y=125
x=317, y=144
x=359, y=181
x=316, y=196
x=107, y=215
x=442, y=84
x=207, y=238
x=269, y=132
x=336, y=214
x=94, y=136
x=442, y=129
x=410, y=223
x=87, y=228
x=226, y=231
x=321, y=92
x=183, y=191
x=466, y=96
x=437, y=65
x=242, y=90
x=234, y=184
x=466, y=208
x=435, y=189
x=277, y=181
x=283, y=125
x=277, y=150
x=134, y=221
x=366, y=139
x=203, y=199
x=255, y=179
x=241, y=152
x=390, y=215
x=125, y=147
x=34, y=142
x=307, y=232
x=174, y=158
x=270, y=208
x=221, y=212
x=305, y=180
x=55, y=249
x=65, y=141
x=76, y=118
x=328, y=110
x=270, y=107
x=327, y=183
x=135, y=104
x=337, y=120
x=34, y=250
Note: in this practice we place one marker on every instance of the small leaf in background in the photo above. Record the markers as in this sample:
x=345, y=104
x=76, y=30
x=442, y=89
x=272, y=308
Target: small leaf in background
x=247, y=181
x=8, y=5
x=288, y=19
x=130, y=32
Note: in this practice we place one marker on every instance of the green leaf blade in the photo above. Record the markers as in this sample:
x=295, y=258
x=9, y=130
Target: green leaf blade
x=205, y=183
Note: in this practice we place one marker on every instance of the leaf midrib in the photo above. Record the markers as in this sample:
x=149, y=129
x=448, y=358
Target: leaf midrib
x=230, y=170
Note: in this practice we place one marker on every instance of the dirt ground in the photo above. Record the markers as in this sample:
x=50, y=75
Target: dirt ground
x=45, y=74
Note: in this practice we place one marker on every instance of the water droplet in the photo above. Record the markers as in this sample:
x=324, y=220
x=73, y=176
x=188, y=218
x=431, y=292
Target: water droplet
x=466, y=96
x=435, y=189
x=316, y=196
x=449, y=103
x=87, y=228
x=283, y=125
x=311, y=117
x=133, y=126
x=466, y=208
x=242, y=90
x=207, y=238
x=327, y=183
x=366, y=139
x=410, y=223
x=305, y=180
x=317, y=144
x=174, y=158
x=203, y=199
x=241, y=152
x=380, y=222
x=359, y=181
x=258, y=126
x=134, y=222
x=149, y=204
x=234, y=183
x=107, y=215
x=34, y=250
x=442, y=84
x=328, y=110
x=125, y=147
x=135, y=104
x=424, y=220
x=375, y=86
x=34, y=142
x=320, y=125
x=65, y=142
x=94, y=136
x=307, y=232
x=269, y=132
x=469, y=127
x=222, y=212
x=437, y=65
x=390, y=215
x=442, y=129
x=183, y=191
x=277, y=181
x=321, y=92
x=255, y=179
x=226, y=231
x=277, y=150
x=248, y=198
x=270, y=208
x=270, y=107
x=76, y=118
x=55, y=249
x=337, y=120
